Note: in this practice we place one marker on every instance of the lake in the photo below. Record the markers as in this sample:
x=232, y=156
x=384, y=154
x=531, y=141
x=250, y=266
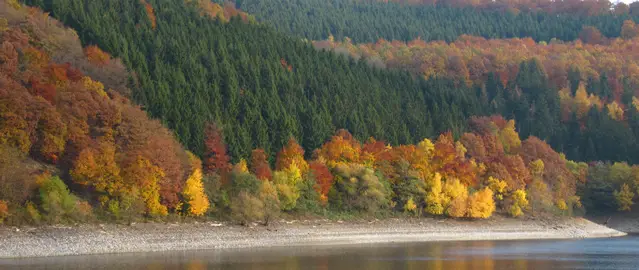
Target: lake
x=612, y=253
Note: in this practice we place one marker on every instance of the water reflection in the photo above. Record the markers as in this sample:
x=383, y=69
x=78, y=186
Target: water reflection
x=620, y=253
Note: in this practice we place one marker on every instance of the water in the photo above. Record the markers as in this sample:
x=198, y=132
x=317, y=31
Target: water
x=615, y=253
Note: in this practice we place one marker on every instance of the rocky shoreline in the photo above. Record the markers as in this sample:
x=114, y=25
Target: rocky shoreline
x=154, y=237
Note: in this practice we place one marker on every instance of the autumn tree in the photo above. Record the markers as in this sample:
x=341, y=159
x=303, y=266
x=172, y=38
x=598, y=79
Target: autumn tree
x=96, y=56
x=260, y=166
x=291, y=153
x=436, y=202
x=591, y=35
x=342, y=148
x=624, y=198
x=216, y=159
x=518, y=204
x=629, y=30
x=481, y=204
x=323, y=178
x=197, y=203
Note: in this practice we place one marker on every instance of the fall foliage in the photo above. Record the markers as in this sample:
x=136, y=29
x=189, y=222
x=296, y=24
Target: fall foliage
x=74, y=147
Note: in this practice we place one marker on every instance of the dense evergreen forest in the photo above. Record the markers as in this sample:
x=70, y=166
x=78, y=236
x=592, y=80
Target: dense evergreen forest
x=259, y=85
x=369, y=21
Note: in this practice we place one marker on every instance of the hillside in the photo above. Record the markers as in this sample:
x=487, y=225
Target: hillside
x=243, y=97
x=58, y=122
x=595, y=82
x=258, y=85
x=369, y=21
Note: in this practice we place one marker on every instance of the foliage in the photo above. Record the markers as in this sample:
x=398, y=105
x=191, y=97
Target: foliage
x=200, y=70
x=436, y=202
x=260, y=166
x=216, y=159
x=197, y=203
x=519, y=203
x=268, y=195
x=367, y=21
x=57, y=201
x=287, y=183
x=624, y=198
x=481, y=204
x=246, y=208
x=360, y=189
x=324, y=179
x=270, y=93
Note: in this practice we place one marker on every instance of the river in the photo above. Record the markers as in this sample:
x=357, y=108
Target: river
x=610, y=253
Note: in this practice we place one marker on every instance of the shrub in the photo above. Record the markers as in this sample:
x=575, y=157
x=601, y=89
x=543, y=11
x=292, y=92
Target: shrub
x=268, y=196
x=218, y=197
x=519, y=202
x=309, y=200
x=360, y=188
x=410, y=188
x=246, y=208
x=57, y=202
x=33, y=214
x=410, y=206
x=242, y=181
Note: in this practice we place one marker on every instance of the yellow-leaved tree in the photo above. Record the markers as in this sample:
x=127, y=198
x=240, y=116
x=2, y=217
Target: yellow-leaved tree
x=498, y=187
x=287, y=185
x=196, y=201
x=481, y=204
x=509, y=137
x=457, y=194
x=435, y=198
x=144, y=179
x=624, y=198
x=410, y=206
x=241, y=166
x=519, y=202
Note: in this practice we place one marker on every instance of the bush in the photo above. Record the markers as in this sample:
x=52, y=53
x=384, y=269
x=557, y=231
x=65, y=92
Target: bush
x=57, y=202
x=126, y=208
x=246, y=208
x=244, y=182
x=33, y=214
x=268, y=196
x=358, y=188
x=412, y=189
x=309, y=200
x=519, y=203
x=218, y=197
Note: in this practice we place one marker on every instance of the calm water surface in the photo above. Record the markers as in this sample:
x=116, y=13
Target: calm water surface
x=617, y=253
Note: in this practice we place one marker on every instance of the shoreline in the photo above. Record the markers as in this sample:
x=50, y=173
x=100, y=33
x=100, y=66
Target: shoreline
x=157, y=237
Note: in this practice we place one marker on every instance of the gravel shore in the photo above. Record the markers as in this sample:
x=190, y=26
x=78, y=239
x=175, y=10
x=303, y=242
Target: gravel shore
x=152, y=237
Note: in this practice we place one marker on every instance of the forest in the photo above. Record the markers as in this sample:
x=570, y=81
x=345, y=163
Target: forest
x=589, y=78
x=369, y=21
x=165, y=109
x=260, y=86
